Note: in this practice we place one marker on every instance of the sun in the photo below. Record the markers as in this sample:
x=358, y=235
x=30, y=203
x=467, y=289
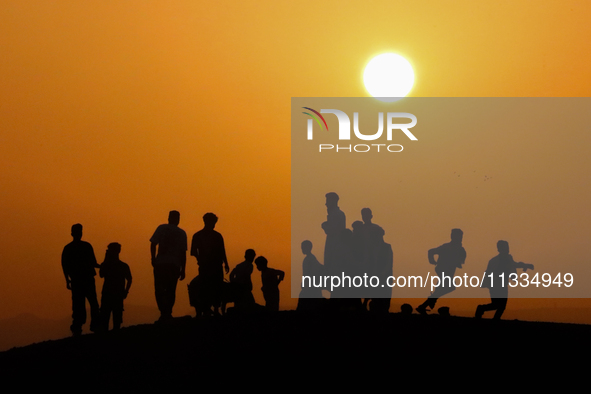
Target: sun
x=388, y=77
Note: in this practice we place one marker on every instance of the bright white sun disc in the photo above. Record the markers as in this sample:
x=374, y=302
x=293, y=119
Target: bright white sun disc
x=388, y=77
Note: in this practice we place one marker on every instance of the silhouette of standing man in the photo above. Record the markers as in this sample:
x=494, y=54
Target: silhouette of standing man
x=334, y=227
x=373, y=240
x=378, y=262
x=78, y=264
x=208, y=248
x=169, y=264
x=451, y=255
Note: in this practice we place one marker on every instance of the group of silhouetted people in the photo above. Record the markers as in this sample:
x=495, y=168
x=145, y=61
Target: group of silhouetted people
x=363, y=251
x=355, y=252
x=208, y=292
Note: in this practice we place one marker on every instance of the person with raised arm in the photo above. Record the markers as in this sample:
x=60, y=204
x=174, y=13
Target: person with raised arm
x=500, y=270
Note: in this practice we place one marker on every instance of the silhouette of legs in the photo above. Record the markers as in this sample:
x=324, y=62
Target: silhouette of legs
x=498, y=298
x=111, y=304
x=212, y=280
x=81, y=291
x=432, y=300
x=243, y=298
x=117, y=318
x=272, y=300
x=429, y=303
x=445, y=287
x=165, y=280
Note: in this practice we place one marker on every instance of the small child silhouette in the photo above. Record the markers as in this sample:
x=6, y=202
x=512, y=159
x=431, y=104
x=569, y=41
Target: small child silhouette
x=240, y=279
x=271, y=279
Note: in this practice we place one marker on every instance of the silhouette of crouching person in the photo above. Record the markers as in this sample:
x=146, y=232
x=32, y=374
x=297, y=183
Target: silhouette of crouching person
x=198, y=297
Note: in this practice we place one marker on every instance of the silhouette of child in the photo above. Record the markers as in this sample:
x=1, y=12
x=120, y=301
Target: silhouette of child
x=115, y=287
x=271, y=279
x=240, y=278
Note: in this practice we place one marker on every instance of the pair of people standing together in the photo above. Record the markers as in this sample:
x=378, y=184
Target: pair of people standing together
x=79, y=265
x=168, y=251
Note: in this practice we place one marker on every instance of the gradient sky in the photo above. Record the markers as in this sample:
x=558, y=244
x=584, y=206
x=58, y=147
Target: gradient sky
x=114, y=113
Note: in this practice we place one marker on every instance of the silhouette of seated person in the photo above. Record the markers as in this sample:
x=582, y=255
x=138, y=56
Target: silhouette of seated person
x=271, y=278
x=78, y=265
x=208, y=248
x=115, y=287
x=240, y=278
x=500, y=265
x=198, y=297
x=311, y=298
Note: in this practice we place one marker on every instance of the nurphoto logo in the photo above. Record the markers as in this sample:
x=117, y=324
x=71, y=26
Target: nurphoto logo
x=344, y=130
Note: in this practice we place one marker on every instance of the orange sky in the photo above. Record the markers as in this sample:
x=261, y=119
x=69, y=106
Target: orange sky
x=113, y=113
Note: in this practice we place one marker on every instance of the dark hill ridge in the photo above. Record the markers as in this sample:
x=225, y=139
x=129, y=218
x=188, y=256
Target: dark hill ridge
x=180, y=353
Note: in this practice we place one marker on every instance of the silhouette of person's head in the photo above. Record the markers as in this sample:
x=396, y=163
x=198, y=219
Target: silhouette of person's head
x=113, y=251
x=332, y=199
x=77, y=231
x=210, y=220
x=174, y=218
x=503, y=247
x=249, y=255
x=457, y=235
x=261, y=263
x=306, y=247
x=114, y=247
x=366, y=215
x=357, y=226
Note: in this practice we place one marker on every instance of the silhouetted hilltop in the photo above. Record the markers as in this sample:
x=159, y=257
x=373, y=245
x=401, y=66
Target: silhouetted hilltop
x=25, y=328
x=187, y=352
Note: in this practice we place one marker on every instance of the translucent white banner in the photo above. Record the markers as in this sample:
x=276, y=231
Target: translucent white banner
x=377, y=189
